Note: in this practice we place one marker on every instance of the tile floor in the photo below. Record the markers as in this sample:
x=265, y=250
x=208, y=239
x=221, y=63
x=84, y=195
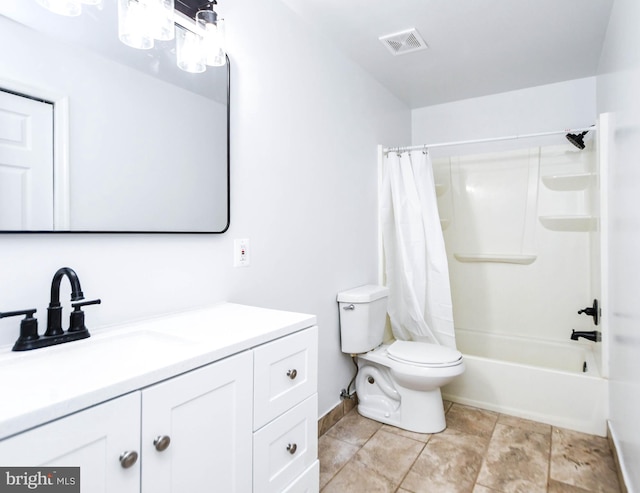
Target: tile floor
x=479, y=452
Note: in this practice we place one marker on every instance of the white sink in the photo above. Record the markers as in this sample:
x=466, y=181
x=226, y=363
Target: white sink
x=99, y=359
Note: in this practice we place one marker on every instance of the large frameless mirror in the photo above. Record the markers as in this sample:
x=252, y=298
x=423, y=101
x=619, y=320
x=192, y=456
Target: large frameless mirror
x=98, y=137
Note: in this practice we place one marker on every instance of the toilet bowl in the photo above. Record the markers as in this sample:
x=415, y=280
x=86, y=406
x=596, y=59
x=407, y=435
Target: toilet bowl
x=398, y=383
x=405, y=393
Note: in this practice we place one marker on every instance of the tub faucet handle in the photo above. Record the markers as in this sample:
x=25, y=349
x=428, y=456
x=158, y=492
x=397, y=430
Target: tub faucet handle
x=592, y=311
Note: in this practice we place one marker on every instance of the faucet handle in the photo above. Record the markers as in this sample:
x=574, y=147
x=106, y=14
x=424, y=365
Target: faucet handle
x=85, y=303
x=27, y=313
x=76, y=320
x=28, y=328
x=592, y=311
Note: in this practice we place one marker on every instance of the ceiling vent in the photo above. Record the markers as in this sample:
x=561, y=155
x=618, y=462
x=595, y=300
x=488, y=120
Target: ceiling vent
x=404, y=42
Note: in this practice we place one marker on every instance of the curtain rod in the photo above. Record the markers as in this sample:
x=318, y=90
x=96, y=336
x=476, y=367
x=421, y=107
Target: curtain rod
x=479, y=141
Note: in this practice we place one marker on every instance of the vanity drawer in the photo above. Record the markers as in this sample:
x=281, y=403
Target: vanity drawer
x=286, y=373
x=285, y=448
x=308, y=482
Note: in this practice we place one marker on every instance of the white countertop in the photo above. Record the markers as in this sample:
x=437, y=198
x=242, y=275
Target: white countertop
x=44, y=384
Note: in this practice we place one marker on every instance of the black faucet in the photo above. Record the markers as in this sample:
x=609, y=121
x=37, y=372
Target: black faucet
x=29, y=338
x=592, y=335
x=54, y=312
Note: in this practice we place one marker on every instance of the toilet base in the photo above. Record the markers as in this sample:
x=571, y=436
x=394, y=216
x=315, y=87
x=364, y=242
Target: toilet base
x=420, y=411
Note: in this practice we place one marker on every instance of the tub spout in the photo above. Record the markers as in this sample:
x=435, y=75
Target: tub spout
x=592, y=335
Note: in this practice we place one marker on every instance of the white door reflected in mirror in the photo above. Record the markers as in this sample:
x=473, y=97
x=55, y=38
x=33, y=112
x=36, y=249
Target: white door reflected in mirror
x=26, y=161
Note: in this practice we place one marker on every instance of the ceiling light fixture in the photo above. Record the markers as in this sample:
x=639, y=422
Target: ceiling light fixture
x=198, y=28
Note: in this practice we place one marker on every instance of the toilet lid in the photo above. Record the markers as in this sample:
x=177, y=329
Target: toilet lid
x=423, y=353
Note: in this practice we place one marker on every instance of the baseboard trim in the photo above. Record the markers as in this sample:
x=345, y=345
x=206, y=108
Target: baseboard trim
x=336, y=414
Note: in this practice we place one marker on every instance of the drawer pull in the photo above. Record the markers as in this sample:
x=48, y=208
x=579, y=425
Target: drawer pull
x=292, y=447
x=161, y=443
x=292, y=374
x=128, y=458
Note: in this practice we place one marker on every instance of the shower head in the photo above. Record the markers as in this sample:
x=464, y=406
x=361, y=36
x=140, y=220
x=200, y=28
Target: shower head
x=577, y=139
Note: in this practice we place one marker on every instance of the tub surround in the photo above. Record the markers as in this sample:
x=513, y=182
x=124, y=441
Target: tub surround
x=524, y=257
x=512, y=217
x=53, y=382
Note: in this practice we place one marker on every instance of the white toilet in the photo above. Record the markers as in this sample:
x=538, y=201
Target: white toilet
x=398, y=383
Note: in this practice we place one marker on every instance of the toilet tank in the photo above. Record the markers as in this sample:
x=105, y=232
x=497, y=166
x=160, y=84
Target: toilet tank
x=363, y=313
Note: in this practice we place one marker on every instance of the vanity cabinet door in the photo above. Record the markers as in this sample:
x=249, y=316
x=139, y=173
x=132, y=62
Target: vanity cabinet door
x=196, y=430
x=94, y=440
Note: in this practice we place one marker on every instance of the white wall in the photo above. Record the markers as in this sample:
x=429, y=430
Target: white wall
x=546, y=108
x=305, y=123
x=618, y=87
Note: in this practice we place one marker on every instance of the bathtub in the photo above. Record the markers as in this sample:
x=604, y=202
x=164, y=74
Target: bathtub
x=551, y=382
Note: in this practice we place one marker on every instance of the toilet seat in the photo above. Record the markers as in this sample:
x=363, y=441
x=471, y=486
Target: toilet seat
x=424, y=354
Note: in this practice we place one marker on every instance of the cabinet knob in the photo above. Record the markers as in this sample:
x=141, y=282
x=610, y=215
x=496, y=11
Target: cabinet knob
x=128, y=458
x=292, y=447
x=292, y=374
x=162, y=442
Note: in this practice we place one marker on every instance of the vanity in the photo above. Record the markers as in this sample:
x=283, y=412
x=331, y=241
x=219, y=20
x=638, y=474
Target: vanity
x=222, y=398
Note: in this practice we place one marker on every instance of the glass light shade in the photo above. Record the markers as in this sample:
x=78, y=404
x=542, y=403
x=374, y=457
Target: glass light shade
x=162, y=12
x=70, y=8
x=213, y=29
x=217, y=57
x=190, y=51
x=134, y=24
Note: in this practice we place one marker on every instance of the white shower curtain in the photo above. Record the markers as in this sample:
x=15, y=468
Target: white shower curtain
x=416, y=269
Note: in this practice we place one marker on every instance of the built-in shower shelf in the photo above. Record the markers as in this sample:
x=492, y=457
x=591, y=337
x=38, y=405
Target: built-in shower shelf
x=495, y=257
x=441, y=188
x=444, y=223
x=569, y=223
x=568, y=182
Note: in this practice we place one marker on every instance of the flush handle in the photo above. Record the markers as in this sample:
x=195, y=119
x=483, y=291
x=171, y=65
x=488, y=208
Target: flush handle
x=161, y=443
x=349, y=307
x=128, y=459
x=292, y=374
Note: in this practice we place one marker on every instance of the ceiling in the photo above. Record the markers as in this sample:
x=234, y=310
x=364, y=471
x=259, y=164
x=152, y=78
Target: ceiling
x=475, y=47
